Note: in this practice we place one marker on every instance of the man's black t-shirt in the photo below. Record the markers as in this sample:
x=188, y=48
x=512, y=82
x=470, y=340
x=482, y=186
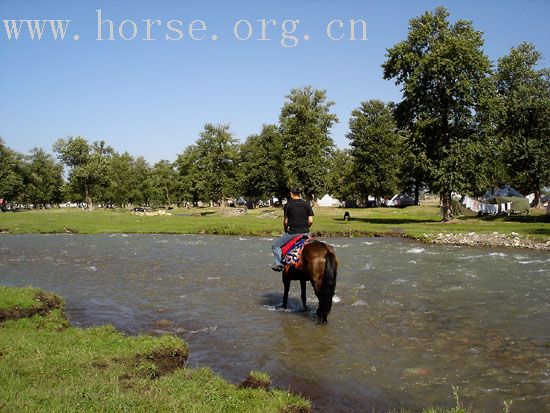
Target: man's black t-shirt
x=297, y=211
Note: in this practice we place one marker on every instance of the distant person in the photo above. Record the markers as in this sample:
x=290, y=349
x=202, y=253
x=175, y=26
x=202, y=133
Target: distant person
x=297, y=220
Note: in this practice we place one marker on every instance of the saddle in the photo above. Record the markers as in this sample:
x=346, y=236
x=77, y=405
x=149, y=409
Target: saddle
x=292, y=251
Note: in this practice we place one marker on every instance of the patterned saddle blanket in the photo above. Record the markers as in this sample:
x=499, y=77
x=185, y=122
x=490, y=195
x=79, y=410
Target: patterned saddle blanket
x=292, y=252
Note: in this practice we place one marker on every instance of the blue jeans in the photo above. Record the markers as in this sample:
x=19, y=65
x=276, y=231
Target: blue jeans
x=281, y=242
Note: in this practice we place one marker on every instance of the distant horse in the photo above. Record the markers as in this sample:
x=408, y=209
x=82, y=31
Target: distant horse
x=319, y=265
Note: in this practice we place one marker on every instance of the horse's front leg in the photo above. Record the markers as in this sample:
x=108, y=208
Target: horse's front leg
x=286, y=282
x=303, y=287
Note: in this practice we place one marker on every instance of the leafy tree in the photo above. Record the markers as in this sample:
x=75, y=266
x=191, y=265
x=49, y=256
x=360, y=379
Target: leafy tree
x=376, y=149
x=11, y=176
x=122, y=179
x=445, y=78
x=191, y=178
x=305, y=123
x=165, y=182
x=89, y=166
x=217, y=153
x=341, y=181
x=525, y=124
x=412, y=175
x=142, y=189
x=43, y=178
x=261, y=166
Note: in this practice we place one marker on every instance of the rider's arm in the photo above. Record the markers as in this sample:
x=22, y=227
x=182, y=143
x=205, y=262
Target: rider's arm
x=310, y=221
x=285, y=224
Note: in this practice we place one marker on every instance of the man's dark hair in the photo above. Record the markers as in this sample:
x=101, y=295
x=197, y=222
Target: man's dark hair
x=295, y=191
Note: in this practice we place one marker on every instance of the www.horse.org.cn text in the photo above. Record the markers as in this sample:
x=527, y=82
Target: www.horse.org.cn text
x=286, y=32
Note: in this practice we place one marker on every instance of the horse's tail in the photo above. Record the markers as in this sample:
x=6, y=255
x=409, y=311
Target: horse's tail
x=328, y=285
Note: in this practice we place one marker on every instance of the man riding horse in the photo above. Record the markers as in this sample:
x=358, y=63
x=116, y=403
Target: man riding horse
x=297, y=220
x=308, y=260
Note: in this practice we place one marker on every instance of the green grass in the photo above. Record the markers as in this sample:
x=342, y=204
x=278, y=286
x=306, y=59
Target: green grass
x=412, y=222
x=45, y=365
x=16, y=298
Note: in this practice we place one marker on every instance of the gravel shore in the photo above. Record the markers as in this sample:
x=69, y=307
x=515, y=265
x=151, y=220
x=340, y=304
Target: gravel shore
x=496, y=239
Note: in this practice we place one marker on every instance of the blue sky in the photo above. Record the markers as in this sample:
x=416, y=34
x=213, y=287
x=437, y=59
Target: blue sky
x=152, y=98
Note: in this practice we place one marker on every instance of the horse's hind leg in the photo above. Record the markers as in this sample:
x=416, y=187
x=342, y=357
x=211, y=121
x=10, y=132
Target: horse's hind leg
x=286, y=283
x=303, y=287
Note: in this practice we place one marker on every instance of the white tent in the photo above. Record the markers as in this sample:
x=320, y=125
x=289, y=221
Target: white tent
x=328, y=201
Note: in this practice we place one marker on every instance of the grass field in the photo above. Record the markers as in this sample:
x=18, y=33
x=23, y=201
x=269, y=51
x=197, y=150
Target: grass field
x=412, y=222
x=46, y=365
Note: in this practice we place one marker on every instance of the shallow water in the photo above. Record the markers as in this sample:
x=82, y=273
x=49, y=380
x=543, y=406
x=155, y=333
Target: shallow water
x=410, y=320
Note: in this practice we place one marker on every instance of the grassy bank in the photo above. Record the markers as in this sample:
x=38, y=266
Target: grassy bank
x=412, y=222
x=46, y=365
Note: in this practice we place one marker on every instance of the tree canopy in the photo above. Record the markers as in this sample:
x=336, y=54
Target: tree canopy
x=376, y=148
x=525, y=124
x=445, y=76
x=305, y=123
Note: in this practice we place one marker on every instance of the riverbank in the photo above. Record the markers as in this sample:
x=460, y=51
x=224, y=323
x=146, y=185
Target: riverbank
x=493, y=240
x=46, y=365
x=419, y=222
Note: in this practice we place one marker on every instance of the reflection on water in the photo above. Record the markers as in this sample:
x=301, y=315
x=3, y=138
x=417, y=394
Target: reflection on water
x=412, y=320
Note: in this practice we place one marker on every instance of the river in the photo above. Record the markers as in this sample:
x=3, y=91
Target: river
x=409, y=321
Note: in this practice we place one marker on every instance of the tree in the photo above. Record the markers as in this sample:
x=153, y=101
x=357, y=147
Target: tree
x=11, y=176
x=217, y=154
x=305, y=123
x=88, y=163
x=525, y=124
x=142, y=191
x=445, y=78
x=121, y=179
x=189, y=167
x=43, y=178
x=341, y=181
x=412, y=175
x=165, y=182
x=261, y=166
x=375, y=148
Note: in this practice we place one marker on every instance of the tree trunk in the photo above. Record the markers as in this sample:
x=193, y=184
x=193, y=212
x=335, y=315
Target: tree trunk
x=87, y=198
x=536, y=200
x=416, y=191
x=446, y=205
x=167, y=196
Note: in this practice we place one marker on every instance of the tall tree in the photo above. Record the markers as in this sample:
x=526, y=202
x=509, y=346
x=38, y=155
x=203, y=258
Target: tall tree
x=11, y=176
x=142, y=190
x=122, y=179
x=376, y=149
x=165, y=182
x=341, y=181
x=89, y=166
x=412, y=174
x=217, y=154
x=525, y=125
x=43, y=178
x=445, y=79
x=262, y=171
x=305, y=123
x=188, y=164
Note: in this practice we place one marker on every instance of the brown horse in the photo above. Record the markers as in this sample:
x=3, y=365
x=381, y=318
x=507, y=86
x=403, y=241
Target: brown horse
x=319, y=265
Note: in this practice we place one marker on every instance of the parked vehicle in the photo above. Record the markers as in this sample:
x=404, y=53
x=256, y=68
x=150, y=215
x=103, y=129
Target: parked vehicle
x=401, y=200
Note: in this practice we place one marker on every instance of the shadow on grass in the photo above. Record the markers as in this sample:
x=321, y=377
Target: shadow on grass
x=391, y=221
x=540, y=231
